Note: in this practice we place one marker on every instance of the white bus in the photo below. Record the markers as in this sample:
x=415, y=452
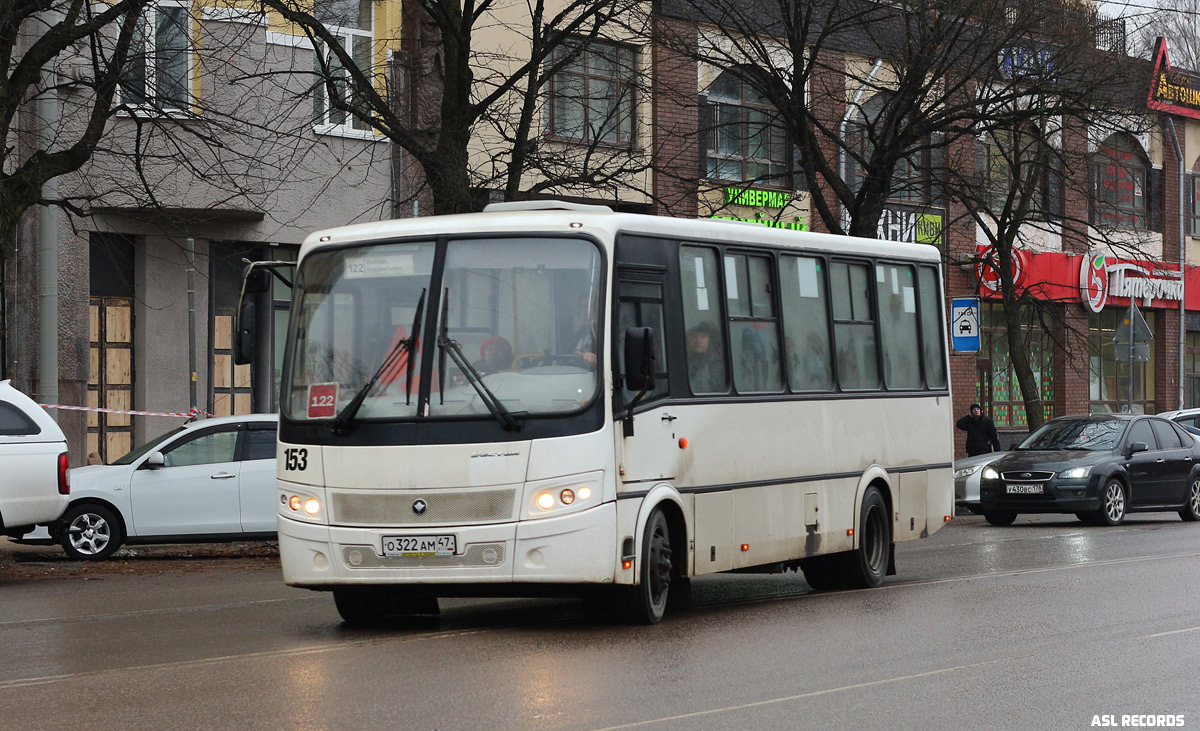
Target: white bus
x=549, y=398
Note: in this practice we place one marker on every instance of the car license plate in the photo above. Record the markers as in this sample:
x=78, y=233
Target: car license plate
x=419, y=546
x=1024, y=489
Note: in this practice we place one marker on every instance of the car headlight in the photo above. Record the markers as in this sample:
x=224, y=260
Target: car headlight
x=990, y=474
x=966, y=472
x=1076, y=472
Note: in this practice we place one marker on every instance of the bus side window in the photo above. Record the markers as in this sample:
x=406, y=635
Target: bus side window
x=854, y=326
x=753, y=332
x=701, y=290
x=931, y=329
x=805, y=323
x=898, y=325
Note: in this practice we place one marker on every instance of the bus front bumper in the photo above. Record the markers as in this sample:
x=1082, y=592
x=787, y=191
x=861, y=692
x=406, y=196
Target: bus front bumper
x=575, y=548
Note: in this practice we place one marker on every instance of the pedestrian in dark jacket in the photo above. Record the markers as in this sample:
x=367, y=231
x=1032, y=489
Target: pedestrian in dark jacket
x=981, y=432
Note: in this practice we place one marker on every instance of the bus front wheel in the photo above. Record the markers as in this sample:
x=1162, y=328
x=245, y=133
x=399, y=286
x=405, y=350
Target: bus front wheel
x=646, y=602
x=867, y=564
x=366, y=605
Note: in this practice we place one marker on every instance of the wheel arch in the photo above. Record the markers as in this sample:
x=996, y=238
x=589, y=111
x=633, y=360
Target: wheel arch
x=875, y=476
x=92, y=500
x=675, y=511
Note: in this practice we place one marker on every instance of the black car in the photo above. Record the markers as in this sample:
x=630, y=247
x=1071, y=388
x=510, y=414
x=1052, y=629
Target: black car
x=1098, y=467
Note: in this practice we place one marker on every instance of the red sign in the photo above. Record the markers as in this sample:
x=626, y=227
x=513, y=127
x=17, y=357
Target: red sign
x=322, y=400
x=1093, y=280
x=1058, y=277
x=988, y=268
x=1173, y=92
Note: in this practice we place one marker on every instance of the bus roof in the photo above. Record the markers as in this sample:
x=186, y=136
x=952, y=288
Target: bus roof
x=606, y=224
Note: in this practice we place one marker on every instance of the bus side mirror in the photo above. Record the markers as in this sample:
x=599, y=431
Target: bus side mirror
x=257, y=281
x=639, y=359
x=245, y=333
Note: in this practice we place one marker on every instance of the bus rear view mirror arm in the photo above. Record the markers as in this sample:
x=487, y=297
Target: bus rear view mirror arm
x=639, y=368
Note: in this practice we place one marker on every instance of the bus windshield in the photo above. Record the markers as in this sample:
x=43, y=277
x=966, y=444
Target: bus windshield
x=516, y=322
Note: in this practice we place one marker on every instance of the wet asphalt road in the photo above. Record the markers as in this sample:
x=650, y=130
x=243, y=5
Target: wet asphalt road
x=1045, y=624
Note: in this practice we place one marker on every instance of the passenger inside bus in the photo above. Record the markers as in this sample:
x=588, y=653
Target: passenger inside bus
x=706, y=367
x=496, y=355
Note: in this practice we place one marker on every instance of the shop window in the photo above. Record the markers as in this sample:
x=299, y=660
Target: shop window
x=1122, y=177
x=1191, y=371
x=741, y=135
x=591, y=97
x=998, y=389
x=1111, y=375
x=350, y=21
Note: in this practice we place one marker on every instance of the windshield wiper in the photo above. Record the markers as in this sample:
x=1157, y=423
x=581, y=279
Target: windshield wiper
x=446, y=345
x=345, y=419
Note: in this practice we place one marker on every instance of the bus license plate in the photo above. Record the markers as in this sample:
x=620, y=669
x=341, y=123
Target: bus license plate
x=419, y=546
x=1024, y=490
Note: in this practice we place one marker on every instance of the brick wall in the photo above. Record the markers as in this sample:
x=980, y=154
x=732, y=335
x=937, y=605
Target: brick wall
x=676, y=120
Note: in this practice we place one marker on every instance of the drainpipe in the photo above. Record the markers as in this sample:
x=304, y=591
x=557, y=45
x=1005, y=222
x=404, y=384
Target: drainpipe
x=47, y=245
x=1182, y=259
x=190, y=244
x=858, y=95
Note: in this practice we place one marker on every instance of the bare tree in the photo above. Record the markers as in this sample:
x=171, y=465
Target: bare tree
x=934, y=77
x=471, y=111
x=33, y=35
x=1179, y=22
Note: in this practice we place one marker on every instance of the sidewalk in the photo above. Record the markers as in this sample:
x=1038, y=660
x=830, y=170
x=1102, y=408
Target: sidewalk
x=19, y=561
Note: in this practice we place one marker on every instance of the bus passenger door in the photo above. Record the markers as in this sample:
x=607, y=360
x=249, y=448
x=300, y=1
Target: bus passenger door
x=650, y=453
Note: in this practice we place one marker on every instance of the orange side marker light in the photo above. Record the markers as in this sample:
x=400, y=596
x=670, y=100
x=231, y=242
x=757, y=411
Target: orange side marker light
x=683, y=443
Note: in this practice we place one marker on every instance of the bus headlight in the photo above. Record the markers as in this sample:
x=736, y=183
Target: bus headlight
x=312, y=506
x=556, y=495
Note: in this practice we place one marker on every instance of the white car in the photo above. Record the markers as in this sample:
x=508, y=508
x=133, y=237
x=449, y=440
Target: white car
x=34, y=483
x=1187, y=418
x=966, y=479
x=206, y=481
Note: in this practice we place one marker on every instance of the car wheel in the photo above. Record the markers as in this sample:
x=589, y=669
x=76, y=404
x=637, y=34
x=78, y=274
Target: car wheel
x=999, y=517
x=1112, y=504
x=646, y=602
x=90, y=532
x=369, y=605
x=823, y=573
x=1191, y=510
x=866, y=565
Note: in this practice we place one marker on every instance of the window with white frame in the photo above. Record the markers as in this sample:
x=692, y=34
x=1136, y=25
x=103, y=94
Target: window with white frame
x=158, y=72
x=351, y=21
x=742, y=137
x=591, y=97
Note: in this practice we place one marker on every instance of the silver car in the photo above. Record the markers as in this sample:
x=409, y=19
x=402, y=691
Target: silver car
x=966, y=479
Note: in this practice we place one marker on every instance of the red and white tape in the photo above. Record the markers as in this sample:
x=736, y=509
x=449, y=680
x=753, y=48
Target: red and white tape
x=182, y=414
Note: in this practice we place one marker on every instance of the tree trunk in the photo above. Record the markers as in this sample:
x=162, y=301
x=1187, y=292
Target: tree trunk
x=1018, y=350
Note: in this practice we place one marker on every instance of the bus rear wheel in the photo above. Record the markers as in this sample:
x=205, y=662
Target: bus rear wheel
x=866, y=565
x=646, y=602
x=367, y=605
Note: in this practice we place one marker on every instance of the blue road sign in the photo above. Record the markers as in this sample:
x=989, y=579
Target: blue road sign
x=964, y=324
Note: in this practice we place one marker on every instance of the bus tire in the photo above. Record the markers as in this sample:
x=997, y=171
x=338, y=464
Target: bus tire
x=369, y=605
x=866, y=565
x=822, y=573
x=646, y=602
